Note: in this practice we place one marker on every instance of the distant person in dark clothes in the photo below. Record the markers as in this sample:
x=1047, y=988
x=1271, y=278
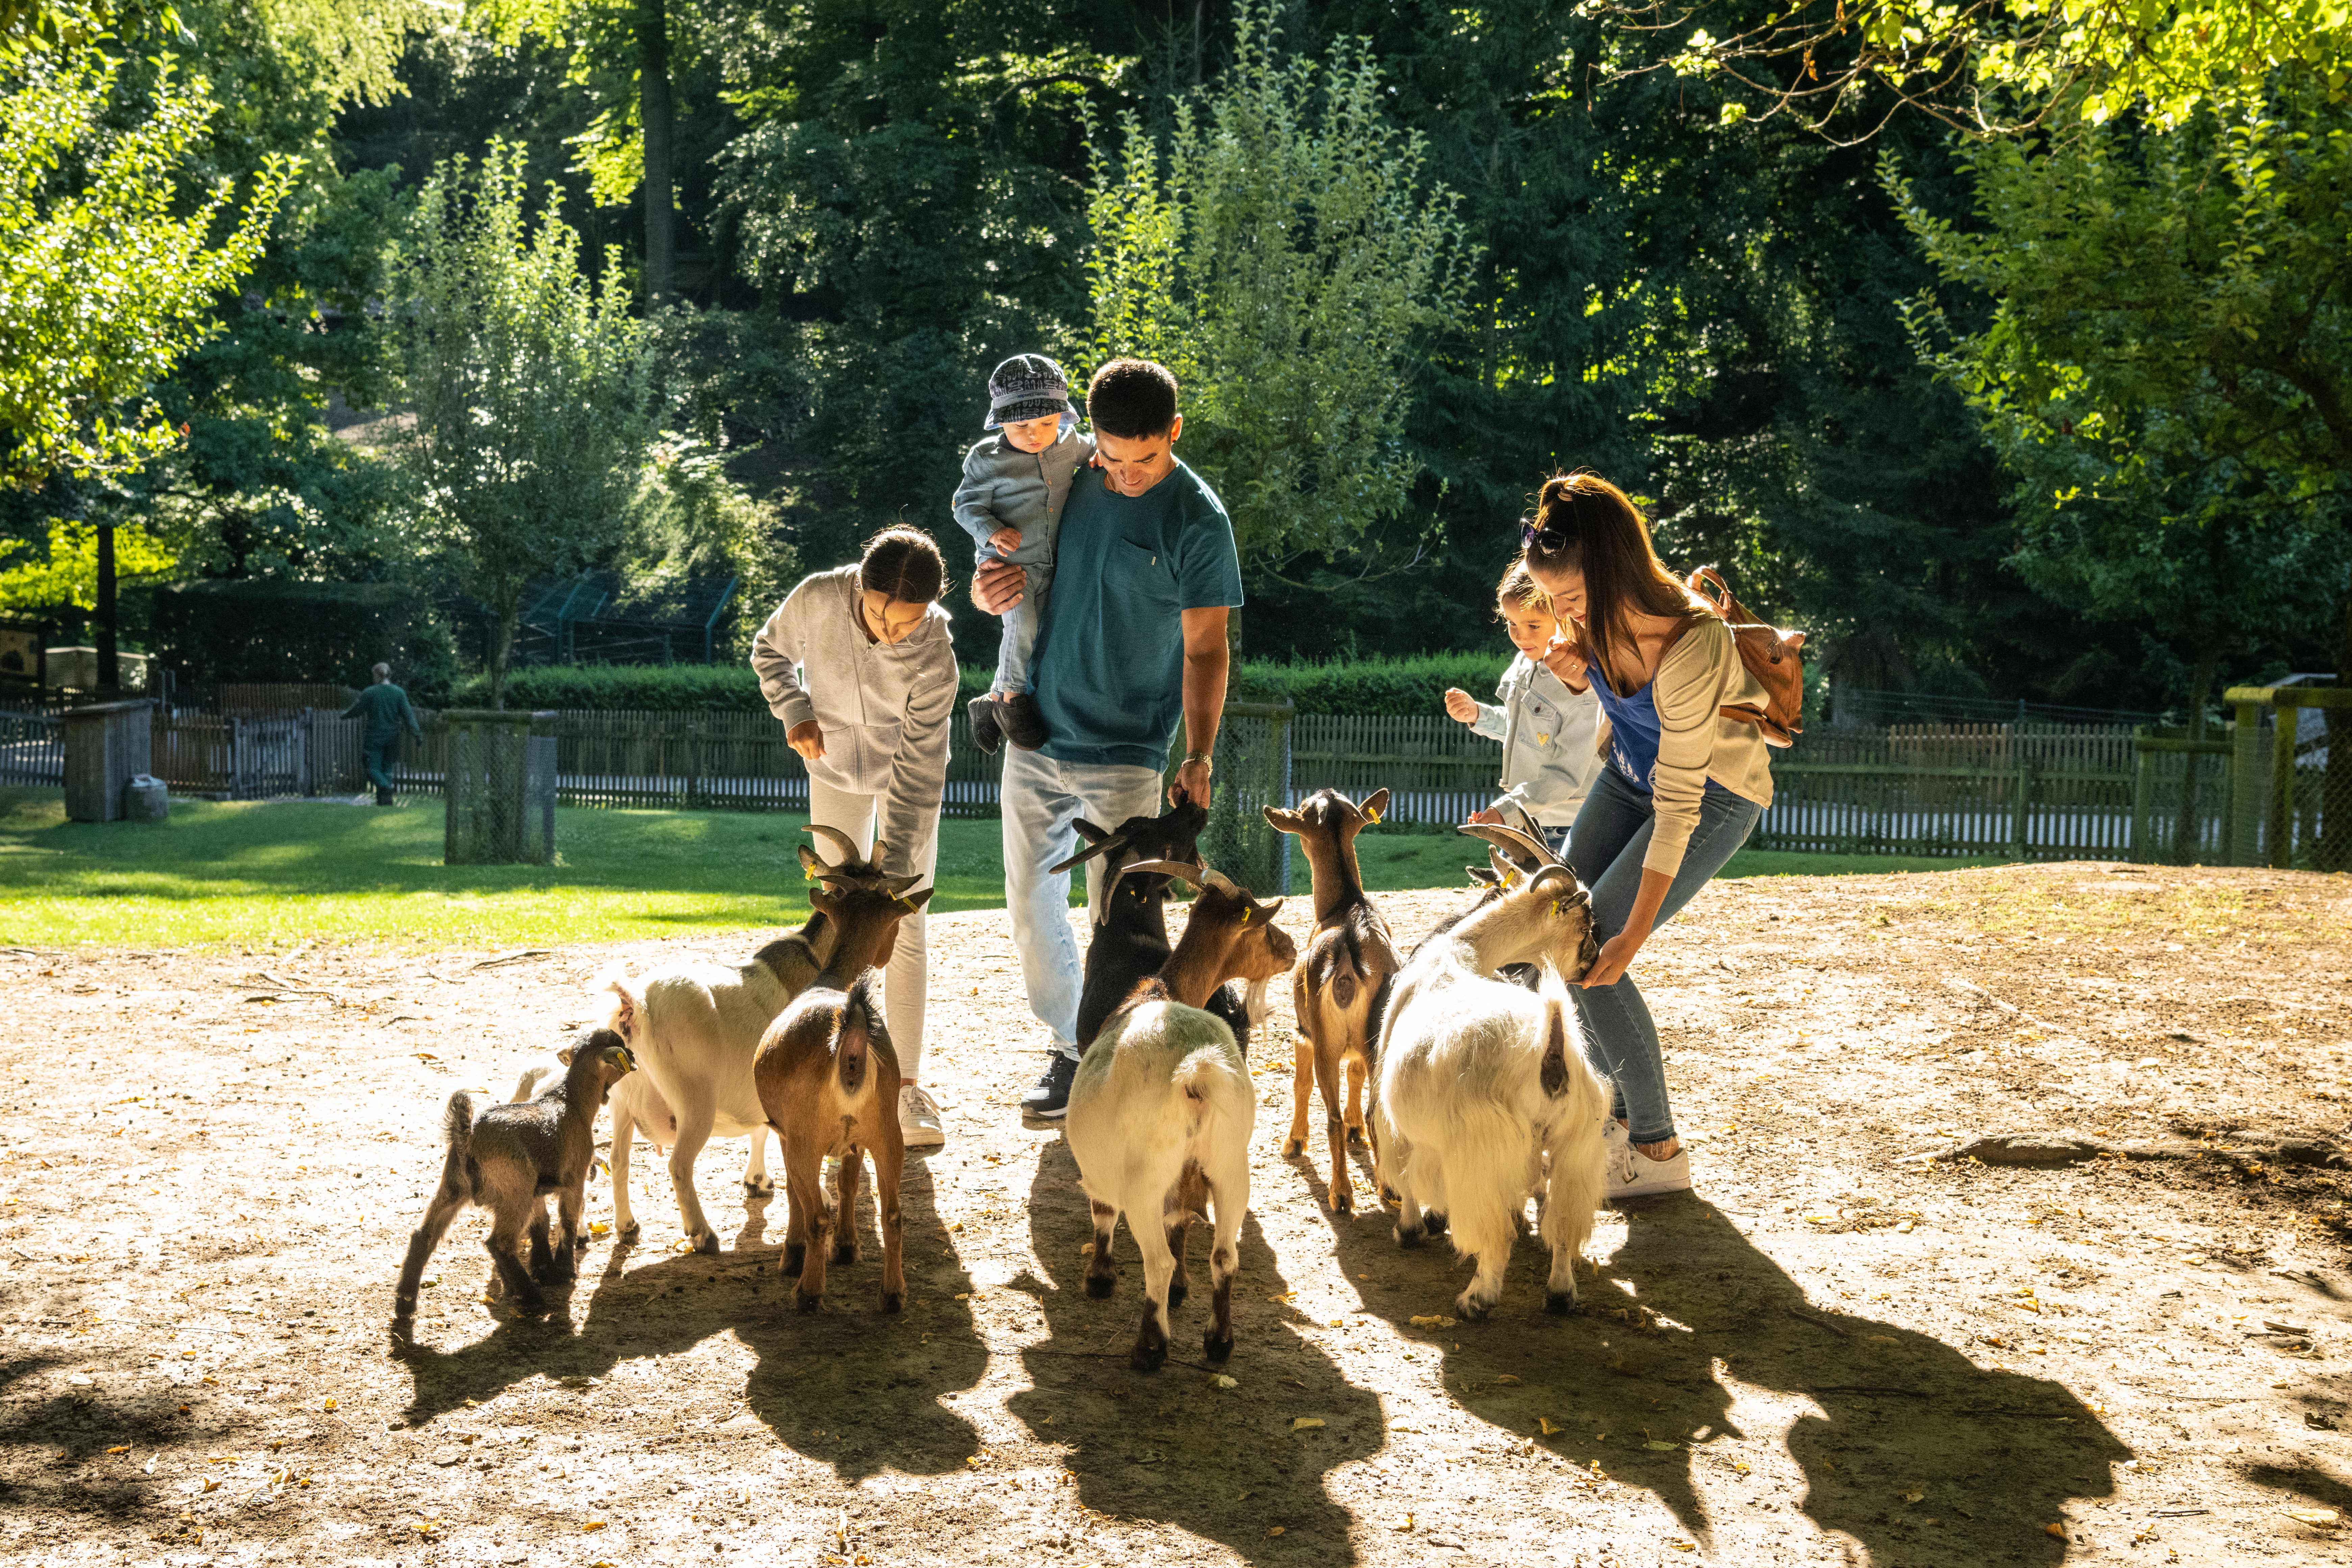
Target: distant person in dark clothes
x=385, y=708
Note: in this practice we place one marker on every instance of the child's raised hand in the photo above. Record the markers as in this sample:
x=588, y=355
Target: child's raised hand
x=1459, y=705
x=1005, y=541
x=1563, y=659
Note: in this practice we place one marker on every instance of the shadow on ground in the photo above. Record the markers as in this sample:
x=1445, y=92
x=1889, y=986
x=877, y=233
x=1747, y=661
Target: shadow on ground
x=1994, y=1456
x=811, y=1367
x=1171, y=1447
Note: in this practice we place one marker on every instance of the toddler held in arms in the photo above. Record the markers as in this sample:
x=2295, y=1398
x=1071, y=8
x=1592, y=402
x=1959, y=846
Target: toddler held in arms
x=1550, y=729
x=1011, y=500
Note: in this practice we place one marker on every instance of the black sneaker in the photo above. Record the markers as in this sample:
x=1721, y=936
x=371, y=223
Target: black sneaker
x=1024, y=725
x=987, y=728
x=1050, y=1095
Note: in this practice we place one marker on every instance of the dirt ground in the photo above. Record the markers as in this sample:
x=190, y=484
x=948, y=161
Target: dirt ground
x=1837, y=1351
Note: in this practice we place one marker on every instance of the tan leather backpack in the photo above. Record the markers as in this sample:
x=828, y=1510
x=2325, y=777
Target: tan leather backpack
x=1771, y=654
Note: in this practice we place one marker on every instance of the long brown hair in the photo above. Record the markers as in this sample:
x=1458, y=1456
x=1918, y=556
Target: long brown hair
x=1583, y=523
x=903, y=563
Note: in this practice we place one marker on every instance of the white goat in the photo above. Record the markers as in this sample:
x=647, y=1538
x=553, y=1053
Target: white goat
x=695, y=1028
x=637, y=1106
x=1161, y=1111
x=1485, y=1092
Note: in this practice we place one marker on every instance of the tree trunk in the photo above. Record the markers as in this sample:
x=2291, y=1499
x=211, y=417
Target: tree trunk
x=2185, y=834
x=109, y=662
x=1233, y=639
x=502, y=648
x=654, y=108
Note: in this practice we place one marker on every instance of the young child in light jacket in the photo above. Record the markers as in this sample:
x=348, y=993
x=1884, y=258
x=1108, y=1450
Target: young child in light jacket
x=1015, y=485
x=1551, y=730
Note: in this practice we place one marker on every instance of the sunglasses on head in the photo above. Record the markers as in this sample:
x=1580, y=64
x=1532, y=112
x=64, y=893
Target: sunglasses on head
x=1548, y=540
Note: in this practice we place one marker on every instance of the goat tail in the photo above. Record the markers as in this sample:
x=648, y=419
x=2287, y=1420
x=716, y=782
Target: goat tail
x=1217, y=1096
x=861, y=1026
x=1559, y=1035
x=458, y=1132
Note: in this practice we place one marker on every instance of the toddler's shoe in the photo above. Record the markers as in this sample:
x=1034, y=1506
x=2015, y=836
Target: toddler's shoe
x=987, y=722
x=1024, y=725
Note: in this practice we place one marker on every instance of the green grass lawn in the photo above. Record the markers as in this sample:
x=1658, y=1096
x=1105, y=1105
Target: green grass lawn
x=263, y=873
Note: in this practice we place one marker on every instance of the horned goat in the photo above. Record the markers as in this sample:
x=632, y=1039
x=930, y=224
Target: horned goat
x=828, y=1080
x=1162, y=1110
x=1484, y=1091
x=507, y=1160
x=1341, y=992
x=695, y=1027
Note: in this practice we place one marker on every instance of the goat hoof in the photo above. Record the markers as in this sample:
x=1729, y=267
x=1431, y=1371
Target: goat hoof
x=1560, y=1303
x=805, y=1300
x=1409, y=1238
x=707, y=1243
x=1435, y=1220
x=1176, y=1294
x=1356, y=1136
x=1100, y=1286
x=1149, y=1358
x=892, y=1301
x=1293, y=1147
x=1343, y=1200
x=763, y=1186
x=796, y=1254
x=1471, y=1306
x=846, y=1252
x=1215, y=1351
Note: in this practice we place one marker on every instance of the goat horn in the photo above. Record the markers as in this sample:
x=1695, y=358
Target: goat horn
x=1181, y=870
x=1107, y=847
x=1530, y=852
x=850, y=853
x=1221, y=883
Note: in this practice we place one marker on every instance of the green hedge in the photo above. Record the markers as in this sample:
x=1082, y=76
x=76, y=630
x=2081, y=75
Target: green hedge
x=1394, y=686
x=264, y=629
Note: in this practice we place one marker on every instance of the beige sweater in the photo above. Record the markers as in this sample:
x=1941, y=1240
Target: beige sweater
x=1695, y=743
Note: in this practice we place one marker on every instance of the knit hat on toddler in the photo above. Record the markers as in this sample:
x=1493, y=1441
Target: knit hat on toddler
x=1026, y=386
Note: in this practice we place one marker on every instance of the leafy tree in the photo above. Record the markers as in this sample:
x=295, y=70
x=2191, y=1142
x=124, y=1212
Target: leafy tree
x=1282, y=258
x=2171, y=330
x=530, y=386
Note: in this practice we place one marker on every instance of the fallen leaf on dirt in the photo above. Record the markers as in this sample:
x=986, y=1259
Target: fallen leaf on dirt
x=1914, y=1494
x=1432, y=1320
x=1285, y=1296
x=1224, y=1382
x=1544, y=1425
x=78, y=1379
x=1508, y=1380
x=1306, y=1423
x=592, y=1524
x=2055, y=1531
x=598, y=1228
x=119, y=1448
x=2322, y=1518
x=211, y=1483
x=1274, y=1530
x=327, y=1404
x=1662, y=1447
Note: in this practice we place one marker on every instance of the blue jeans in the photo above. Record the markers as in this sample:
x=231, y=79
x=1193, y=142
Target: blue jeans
x=1612, y=833
x=1039, y=799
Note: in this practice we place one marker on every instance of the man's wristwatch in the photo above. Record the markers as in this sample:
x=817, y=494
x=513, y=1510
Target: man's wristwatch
x=1208, y=763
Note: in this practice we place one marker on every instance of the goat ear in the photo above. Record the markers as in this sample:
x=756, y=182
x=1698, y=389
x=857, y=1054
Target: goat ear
x=1376, y=804
x=811, y=867
x=1102, y=847
x=1282, y=821
x=1267, y=912
x=625, y=1003
x=821, y=900
x=565, y=1054
x=1485, y=875
x=1088, y=831
x=914, y=901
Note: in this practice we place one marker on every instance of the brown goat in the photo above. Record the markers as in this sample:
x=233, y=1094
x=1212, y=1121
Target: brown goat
x=507, y=1161
x=1228, y=937
x=828, y=1081
x=1341, y=990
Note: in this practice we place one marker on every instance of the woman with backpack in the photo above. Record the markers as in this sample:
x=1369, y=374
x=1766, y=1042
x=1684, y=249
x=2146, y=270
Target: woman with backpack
x=1684, y=785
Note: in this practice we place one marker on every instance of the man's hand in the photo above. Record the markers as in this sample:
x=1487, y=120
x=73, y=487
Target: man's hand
x=1489, y=814
x=1461, y=705
x=1563, y=659
x=1005, y=541
x=1191, y=783
x=996, y=587
x=807, y=738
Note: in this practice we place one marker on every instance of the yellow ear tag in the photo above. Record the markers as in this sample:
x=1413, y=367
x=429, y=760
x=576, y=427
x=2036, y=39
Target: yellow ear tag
x=1510, y=881
x=906, y=904
x=808, y=873
x=1245, y=915
x=1373, y=815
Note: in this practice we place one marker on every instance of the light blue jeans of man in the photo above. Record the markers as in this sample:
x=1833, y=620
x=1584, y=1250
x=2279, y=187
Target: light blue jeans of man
x=1040, y=799
x=1612, y=833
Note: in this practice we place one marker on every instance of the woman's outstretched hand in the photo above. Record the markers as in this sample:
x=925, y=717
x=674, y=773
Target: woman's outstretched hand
x=807, y=738
x=1461, y=705
x=1616, y=957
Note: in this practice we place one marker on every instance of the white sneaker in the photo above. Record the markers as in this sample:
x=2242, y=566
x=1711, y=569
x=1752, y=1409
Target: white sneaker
x=1634, y=1175
x=919, y=1119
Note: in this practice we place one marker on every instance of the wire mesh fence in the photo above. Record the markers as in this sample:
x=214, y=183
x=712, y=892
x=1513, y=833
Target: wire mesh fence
x=1253, y=772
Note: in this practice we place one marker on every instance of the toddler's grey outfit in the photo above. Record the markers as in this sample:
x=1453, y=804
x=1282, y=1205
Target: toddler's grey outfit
x=1004, y=487
x=1551, y=746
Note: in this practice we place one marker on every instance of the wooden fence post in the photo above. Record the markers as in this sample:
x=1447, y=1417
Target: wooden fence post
x=2248, y=794
x=2287, y=723
x=2017, y=830
x=2143, y=796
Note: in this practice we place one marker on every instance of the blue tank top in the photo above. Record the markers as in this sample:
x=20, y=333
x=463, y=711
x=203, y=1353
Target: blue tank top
x=1632, y=731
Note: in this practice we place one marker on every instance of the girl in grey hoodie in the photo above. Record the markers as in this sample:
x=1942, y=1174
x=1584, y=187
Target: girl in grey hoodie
x=858, y=665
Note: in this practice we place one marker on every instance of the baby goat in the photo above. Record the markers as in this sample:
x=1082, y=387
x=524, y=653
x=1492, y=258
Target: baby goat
x=507, y=1160
x=828, y=1084
x=638, y=1105
x=1161, y=1111
x=1341, y=992
x=1484, y=1091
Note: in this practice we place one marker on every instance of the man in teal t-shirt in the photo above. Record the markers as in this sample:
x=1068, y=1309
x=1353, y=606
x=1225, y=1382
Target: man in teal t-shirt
x=385, y=708
x=1145, y=575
